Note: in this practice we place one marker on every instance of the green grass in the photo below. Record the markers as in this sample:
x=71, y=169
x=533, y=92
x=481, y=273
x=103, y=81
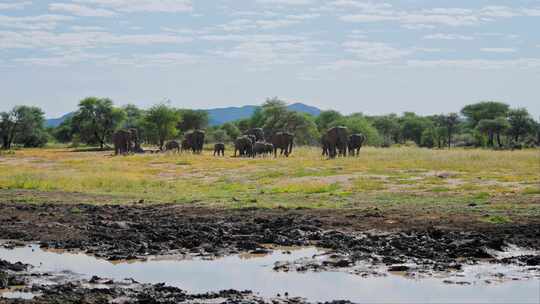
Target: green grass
x=396, y=178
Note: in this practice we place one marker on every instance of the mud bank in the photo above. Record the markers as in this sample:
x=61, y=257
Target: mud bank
x=128, y=232
x=349, y=238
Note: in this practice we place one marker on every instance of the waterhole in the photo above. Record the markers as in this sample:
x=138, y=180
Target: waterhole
x=481, y=283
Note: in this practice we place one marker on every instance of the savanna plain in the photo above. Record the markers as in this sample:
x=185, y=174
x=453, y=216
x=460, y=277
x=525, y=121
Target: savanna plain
x=406, y=209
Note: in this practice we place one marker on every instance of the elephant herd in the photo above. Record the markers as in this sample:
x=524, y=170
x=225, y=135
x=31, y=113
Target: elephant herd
x=193, y=141
x=336, y=142
x=253, y=144
x=126, y=141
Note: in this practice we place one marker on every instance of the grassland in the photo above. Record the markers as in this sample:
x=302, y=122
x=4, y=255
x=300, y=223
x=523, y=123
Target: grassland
x=495, y=186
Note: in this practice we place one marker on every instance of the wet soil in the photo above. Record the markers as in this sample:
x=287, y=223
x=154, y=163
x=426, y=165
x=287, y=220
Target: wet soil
x=124, y=232
x=137, y=231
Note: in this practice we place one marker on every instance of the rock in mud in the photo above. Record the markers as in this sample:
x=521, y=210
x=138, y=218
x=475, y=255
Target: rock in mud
x=4, y=280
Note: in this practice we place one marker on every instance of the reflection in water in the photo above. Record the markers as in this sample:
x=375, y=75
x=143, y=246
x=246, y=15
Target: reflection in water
x=256, y=274
x=17, y=295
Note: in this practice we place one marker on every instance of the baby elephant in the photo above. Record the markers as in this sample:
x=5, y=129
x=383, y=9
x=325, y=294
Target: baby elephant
x=219, y=149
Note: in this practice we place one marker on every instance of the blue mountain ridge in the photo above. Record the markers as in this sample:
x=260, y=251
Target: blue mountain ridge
x=219, y=116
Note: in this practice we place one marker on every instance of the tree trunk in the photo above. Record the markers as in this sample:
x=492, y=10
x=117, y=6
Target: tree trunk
x=490, y=139
x=449, y=140
x=499, y=139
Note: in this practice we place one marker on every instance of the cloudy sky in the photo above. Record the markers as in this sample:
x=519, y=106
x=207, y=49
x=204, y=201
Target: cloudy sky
x=379, y=56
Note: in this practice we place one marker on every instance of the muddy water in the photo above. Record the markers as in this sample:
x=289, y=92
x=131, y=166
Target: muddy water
x=255, y=272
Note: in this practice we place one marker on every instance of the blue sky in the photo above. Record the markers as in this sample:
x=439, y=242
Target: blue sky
x=355, y=56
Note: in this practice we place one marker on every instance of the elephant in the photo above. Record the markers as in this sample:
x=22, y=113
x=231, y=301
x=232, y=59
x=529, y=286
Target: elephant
x=243, y=146
x=185, y=146
x=325, y=145
x=283, y=141
x=257, y=132
x=253, y=139
x=126, y=141
x=172, y=145
x=355, y=143
x=337, y=139
x=262, y=148
x=219, y=149
x=269, y=148
x=195, y=139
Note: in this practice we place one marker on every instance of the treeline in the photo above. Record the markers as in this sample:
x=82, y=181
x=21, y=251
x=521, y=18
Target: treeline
x=484, y=124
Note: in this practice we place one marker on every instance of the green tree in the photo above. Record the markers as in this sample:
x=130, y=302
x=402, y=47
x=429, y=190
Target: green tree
x=134, y=116
x=387, y=126
x=328, y=118
x=160, y=123
x=243, y=124
x=219, y=135
x=484, y=110
x=7, y=129
x=257, y=118
x=64, y=132
x=30, y=127
x=413, y=126
x=274, y=111
x=521, y=123
x=96, y=120
x=303, y=127
x=493, y=128
x=24, y=125
x=232, y=130
x=192, y=120
x=357, y=123
x=450, y=122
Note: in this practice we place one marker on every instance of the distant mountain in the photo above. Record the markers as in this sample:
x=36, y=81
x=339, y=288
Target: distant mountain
x=55, y=122
x=220, y=115
x=223, y=115
x=300, y=107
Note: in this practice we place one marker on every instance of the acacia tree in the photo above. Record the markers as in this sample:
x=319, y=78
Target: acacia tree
x=327, y=118
x=7, y=129
x=192, y=120
x=493, y=128
x=96, y=120
x=450, y=123
x=387, y=126
x=23, y=125
x=521, y=123
x=160, y=123
x=484, y=110
x=274, y=112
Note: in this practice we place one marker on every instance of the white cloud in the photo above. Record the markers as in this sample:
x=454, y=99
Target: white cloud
x=376, y=52
x=441, y=36
x=80, y=10
x=253, y=38
x=439, y=16
x=15, y=5
x=155, y=60
x=141, y=60
x=522, y=63
x=302, y=16
x=240, y=25
x=261, y=52
x=130, y=6
x=37, y=22
x=415, y=18
x=81, y=39
x=418, y=26
x=286, y=2
x=499, y=50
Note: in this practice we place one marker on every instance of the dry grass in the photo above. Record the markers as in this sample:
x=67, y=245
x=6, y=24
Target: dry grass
x=387, y=178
